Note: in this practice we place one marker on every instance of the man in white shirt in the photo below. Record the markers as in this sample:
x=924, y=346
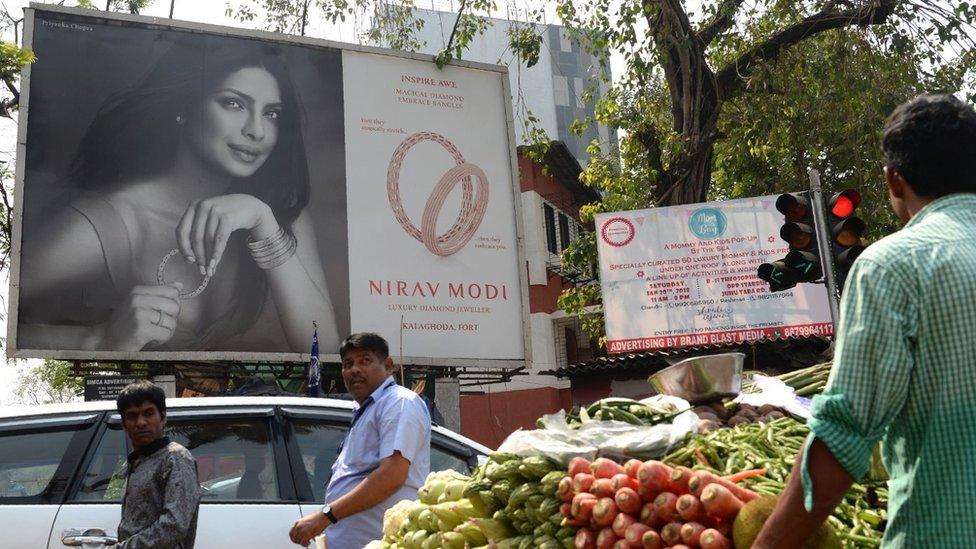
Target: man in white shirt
x=384, y=458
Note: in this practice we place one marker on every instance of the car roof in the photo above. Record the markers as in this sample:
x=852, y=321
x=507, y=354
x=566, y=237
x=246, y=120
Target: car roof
x=196, y=402
x=16, y=411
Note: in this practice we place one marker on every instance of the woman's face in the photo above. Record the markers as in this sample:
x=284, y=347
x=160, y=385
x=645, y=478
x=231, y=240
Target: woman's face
x=239, y=121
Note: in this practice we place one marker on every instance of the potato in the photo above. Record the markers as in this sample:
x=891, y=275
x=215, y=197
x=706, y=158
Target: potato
x=766, y=408
x=707, y=426
x=773, y=416
x=720, y=410
x=709, y=416
x=738, y=420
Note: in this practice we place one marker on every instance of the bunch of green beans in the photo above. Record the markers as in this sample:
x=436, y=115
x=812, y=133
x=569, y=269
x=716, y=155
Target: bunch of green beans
x=808, y=381
x=860, y=517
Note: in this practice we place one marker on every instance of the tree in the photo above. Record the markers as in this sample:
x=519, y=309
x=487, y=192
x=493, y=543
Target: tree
x=12, y=59
x=704, y=67
x=49, y=383
x=785, y=100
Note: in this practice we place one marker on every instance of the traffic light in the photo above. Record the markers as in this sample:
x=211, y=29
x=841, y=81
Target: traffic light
x=845, y=231
x=802, y=263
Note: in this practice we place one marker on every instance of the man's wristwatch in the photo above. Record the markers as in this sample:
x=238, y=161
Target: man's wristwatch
x=327, y=511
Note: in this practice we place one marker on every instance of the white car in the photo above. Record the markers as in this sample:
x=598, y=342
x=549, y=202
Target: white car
x=263, y=463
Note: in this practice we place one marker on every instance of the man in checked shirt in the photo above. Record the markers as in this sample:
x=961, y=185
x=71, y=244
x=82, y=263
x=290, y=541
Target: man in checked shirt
x=905, y=365
x=162, y=493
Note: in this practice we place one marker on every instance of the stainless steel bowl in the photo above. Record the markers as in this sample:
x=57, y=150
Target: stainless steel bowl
x=701, y=378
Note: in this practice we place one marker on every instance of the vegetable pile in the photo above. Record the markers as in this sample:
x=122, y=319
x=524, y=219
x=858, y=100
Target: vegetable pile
x=627, y=410
x=510, y=502
x=718, y=415
x=713, y=492
x=806, y=382
x=650, y=505
x=860, y=517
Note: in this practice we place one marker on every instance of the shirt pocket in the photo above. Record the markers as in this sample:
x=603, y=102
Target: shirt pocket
x=361, y=446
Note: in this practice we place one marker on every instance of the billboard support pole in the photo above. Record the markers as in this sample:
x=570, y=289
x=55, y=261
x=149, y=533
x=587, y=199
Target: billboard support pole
x=823, y=239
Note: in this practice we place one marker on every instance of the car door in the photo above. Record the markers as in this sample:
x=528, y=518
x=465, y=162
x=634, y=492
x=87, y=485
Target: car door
x=247, y=494
x=38, y=457
x=314, y=435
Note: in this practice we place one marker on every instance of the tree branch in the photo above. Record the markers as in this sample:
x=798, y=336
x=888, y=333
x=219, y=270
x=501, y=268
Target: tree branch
x=723, y=20
x=732, y=77
x=672, y=33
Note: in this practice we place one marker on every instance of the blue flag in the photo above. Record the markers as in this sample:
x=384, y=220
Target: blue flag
x=314, y=381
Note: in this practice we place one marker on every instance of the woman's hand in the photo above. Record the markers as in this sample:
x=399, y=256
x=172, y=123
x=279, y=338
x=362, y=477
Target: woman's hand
x=149, y=314
x=207, y=224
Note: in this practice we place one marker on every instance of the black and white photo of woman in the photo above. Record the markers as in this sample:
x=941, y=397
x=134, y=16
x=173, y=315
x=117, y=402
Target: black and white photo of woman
x=188, y=227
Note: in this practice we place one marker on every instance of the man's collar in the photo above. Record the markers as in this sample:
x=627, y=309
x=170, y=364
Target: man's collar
x=148, y=449
x=942, y=203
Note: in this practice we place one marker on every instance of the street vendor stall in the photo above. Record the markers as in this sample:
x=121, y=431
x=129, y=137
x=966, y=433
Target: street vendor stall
x=661, y=472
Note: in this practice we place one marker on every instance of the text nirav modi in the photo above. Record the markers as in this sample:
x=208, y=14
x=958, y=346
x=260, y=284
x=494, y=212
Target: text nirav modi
x=455, y=290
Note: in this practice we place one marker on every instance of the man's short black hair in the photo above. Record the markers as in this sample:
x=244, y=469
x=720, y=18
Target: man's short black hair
x=366, y=341
x=139, y=392
x=931, y=142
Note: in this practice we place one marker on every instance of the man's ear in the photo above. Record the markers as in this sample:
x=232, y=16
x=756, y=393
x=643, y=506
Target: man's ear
x=388, y=364
x=896, y=183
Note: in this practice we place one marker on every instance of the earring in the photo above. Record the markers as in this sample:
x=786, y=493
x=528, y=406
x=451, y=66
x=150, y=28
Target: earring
x=179, y=119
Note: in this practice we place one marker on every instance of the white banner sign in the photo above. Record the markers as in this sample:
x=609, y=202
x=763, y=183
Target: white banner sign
x=685, y=276
x=433, y=252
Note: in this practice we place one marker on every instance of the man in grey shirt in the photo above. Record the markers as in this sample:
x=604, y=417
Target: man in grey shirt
x=162, y=493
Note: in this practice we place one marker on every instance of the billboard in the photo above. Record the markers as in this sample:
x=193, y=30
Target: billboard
x=188, y=192
x=685, y=276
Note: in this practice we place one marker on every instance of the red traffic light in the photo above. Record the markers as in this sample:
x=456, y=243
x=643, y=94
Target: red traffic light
x=844, y=203
x=793, y=206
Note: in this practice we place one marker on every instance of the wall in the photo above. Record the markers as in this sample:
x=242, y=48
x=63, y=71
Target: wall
x=491, y=417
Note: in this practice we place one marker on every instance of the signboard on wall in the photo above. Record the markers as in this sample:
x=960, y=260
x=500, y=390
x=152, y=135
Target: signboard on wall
x=685, y=276
x=106, y=387
x=190, y=192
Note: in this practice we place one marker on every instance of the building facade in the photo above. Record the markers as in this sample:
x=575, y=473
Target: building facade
x=554, y=90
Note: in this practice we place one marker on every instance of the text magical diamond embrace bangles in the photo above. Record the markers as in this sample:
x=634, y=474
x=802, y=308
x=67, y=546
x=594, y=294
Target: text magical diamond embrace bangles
x=268, y=253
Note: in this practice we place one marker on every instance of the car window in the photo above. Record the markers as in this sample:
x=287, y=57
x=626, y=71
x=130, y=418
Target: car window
x=37, y=458
x=318, y=443
x=319, y=440
x=234, y=460
x=104, y=476
x=442, y=459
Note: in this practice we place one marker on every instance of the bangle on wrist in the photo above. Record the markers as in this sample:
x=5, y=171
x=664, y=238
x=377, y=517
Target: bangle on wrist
x=273, y=251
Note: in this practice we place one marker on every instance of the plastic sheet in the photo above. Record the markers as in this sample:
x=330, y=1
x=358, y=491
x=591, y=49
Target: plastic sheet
x=617, y=439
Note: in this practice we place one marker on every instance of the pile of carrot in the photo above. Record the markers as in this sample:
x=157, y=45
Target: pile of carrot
x=650, y=505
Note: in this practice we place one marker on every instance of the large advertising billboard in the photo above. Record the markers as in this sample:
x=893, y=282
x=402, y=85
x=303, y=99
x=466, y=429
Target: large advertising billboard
x=191, y=192
x=685, y=276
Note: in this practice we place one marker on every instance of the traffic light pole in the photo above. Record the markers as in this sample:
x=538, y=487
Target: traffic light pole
x=823, y=237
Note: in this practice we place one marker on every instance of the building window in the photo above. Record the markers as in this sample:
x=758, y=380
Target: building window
x=561, y=229
x=560, y=90
x=578, y=92
x=548, y=214
x=573, y=345
x=564, y=237
x=565, y=44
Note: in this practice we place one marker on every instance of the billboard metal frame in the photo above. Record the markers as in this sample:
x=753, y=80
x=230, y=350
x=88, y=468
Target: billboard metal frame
x=218, y=30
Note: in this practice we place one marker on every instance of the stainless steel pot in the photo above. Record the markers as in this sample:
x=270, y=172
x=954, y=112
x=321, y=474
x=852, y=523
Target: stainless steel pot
x=701, y=378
